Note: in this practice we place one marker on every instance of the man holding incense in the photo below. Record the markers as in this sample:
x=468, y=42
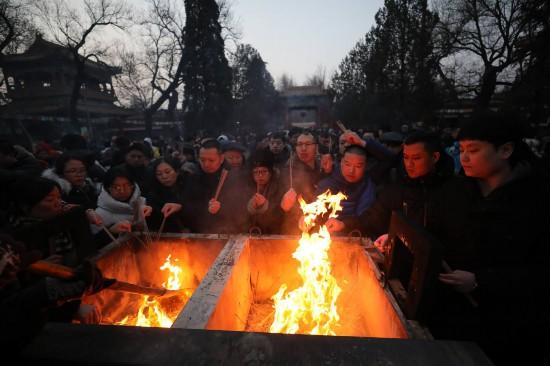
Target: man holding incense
x=300, y=177
x=211, y=203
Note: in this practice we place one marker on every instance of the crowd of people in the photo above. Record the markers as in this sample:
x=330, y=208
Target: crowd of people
x=480, y=190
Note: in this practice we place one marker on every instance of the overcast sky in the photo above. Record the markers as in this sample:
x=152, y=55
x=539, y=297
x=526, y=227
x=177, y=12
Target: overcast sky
x=297, y=36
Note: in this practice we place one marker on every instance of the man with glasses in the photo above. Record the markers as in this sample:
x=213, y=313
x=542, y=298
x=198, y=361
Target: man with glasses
x=300, y=177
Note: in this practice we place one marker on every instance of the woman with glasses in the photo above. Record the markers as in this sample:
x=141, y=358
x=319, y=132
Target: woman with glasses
x=263, y=206
x=70, y=172
x=166, y=196
x=120, y=204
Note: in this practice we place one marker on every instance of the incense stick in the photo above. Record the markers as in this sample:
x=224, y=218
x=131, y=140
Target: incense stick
x=469, y=297
x=290, y=169
x=341, y=126
x=161, y=227
x=223, y=176
x=108, y=233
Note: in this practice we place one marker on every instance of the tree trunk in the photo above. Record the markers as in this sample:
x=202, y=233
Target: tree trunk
x=488, y=86
x=148, y=116
x=75, y=93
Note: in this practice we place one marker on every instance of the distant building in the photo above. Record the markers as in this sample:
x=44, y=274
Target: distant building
x=306, y=106
x=39, y=84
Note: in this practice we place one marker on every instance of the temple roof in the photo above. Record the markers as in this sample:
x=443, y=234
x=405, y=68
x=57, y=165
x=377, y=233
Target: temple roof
x=42, y=50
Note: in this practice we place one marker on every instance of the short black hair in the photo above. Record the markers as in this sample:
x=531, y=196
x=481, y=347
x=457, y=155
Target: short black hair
x=355, y=149
x=212, y=144
x=278, y=136
x=311, y=133
x=138, y=146
x=114, y=173
x=61, y=161
x=496, y=128
x=431, y=141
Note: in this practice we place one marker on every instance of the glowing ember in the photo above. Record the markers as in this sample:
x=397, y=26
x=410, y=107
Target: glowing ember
x=155, y=313
x=311, y=308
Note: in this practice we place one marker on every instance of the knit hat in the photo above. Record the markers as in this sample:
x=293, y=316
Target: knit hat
x=261, y=159
x=233, y=146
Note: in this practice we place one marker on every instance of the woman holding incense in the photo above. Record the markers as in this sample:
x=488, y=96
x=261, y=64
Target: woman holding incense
x=120, y=205
x=165, y=196
x=266, y=193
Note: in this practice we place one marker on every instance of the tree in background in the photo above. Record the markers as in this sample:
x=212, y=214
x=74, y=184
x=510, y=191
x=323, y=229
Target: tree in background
x=254, y=95
x=389, y=77
x=531, y=88
x=79, y=30
x=206, y=74
x=17, y=32
x=484, y=35
x=285, y=82
x=152, y=75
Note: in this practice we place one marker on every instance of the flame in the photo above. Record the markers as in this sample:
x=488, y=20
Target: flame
x=151, y=312
x=311, y=308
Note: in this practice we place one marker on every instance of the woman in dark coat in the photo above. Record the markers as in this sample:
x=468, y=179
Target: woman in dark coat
x=266, y=193
x=166, y=196
x=39, y=218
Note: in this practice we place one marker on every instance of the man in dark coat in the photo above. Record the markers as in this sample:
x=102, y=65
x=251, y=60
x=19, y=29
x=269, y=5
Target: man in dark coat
x=427, y=170
x=494, y=227
x=202, y=212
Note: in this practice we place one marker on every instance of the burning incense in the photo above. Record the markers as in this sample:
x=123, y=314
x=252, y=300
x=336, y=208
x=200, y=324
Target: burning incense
x=341, y=126
x=161, y=227
x=223, y=176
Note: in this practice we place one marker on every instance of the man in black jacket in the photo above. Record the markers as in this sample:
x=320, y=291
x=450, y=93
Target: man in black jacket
x=494, y=227
x=203, y=212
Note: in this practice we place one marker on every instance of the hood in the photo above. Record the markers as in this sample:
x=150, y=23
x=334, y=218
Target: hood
x=106, y=202
x=65, y=185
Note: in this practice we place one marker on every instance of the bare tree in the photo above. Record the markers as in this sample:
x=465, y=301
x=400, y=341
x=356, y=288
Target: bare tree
x=486, y=30
x=151, y=70
x=285, y=82
x=79, y=30
x=16, y=32
x=318, y=78
x=231, y=28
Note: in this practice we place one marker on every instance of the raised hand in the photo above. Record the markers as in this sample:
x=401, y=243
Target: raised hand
x=214, y=206
x=289, y=199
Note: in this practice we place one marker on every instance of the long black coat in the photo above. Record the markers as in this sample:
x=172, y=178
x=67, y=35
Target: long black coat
x=200, y=188
x=503, y=239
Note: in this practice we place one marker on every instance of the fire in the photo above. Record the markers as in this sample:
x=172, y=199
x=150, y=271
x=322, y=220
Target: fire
x=311, y=308
x=155, y=313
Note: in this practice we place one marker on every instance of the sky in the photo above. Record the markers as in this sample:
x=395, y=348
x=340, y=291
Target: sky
x=299, y=36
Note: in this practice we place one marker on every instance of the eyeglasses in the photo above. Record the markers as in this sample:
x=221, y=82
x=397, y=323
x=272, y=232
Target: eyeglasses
x=75, y=171
x=260, y=172
x=305, y=145
x=123, y=188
